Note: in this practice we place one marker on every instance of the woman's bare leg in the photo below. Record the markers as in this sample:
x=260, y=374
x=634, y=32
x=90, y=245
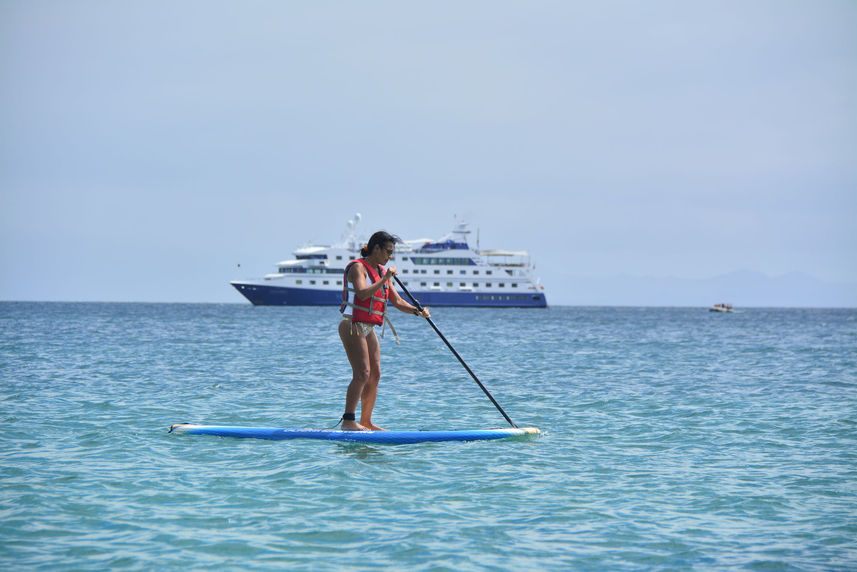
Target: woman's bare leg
x=357, y=350
x=370, y=390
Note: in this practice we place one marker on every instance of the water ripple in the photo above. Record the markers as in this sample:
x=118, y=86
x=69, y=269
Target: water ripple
x=672, y=439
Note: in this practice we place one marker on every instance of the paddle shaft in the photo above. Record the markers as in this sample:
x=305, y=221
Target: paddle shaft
x=455, y=353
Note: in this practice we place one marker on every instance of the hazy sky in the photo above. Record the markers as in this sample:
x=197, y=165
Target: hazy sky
x=148, y=148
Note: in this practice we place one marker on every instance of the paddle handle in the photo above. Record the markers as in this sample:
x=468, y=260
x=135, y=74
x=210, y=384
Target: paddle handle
x=455, y=353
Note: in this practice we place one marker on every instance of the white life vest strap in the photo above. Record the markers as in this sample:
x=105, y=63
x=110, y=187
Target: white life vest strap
x=370, y=310
x=387, y=319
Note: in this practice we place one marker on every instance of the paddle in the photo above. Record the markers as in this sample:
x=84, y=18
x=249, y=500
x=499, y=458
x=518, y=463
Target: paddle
x=449, y=345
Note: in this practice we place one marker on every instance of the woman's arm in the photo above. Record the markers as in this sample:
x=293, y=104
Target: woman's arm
x=400, y=304
x=357, y=275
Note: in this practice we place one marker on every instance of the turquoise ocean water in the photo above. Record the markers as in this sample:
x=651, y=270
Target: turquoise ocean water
x=673, y=439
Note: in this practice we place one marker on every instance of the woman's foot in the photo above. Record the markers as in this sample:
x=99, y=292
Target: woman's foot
x=351, y=425
x=372, y=427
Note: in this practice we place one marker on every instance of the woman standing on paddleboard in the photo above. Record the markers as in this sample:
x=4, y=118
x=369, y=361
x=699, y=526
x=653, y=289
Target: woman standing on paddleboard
x=366, y=291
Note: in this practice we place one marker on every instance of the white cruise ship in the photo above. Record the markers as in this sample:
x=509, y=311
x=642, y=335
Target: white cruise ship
x=444, y=272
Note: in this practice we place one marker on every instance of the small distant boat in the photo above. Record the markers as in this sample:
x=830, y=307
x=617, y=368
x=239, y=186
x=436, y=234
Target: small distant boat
x=721, y=308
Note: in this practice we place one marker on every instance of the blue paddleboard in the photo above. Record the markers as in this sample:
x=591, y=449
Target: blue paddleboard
x=390, y=437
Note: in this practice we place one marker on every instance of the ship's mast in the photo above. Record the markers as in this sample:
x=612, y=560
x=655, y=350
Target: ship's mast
x=349, y=238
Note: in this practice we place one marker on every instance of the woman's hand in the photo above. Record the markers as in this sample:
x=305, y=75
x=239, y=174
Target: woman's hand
x=424, y=314
x=388, y=275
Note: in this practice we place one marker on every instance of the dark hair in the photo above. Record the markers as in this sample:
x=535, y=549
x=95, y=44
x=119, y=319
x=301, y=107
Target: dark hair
x=380, y=238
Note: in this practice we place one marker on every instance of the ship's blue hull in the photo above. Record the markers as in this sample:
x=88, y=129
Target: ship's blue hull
x=284, y=296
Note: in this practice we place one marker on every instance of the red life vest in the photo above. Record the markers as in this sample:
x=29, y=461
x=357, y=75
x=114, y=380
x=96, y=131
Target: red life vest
x=371, y=310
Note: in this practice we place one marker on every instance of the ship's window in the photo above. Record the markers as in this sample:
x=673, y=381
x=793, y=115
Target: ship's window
x=514, y=284
x=404, y=258
x=425, y=271
x=488, y=285
x=462, y=271
x=326, y=282
x=299, y=281
x=312, y=281
x=339, y=257
x=422, y=283
x=502, y=285
x=449, y=284
x=489, y=272
x=339, y=282
x=449, y=271
x=436, y=284
x=442, y=261
x=476, y=284
x=437, y=271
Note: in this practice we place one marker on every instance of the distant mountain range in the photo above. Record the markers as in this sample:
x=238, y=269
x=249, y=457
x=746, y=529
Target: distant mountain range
x=742, y=288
